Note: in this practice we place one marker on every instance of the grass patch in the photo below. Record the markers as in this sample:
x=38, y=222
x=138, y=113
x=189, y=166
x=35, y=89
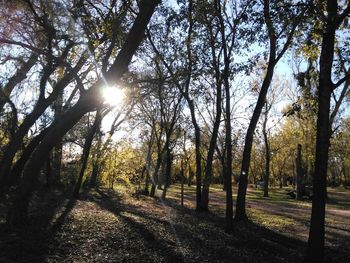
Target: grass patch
x=270, y=221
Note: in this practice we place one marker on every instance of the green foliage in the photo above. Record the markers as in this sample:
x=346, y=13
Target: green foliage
x=122, y=165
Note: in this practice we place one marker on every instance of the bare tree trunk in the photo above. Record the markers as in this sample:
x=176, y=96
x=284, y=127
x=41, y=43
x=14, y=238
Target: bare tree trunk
x=212, y=145
x=224, y=172
x=167, y=177
x=148, y=163
x=190, y=176
x=299, y=179
x=267, y=158
x=227, y=167
x=86, y=151
x=57, y=150
x=48, y=170
x=155, y=175
x=15, y=174
x=94, y=174
x=97, y=163
x=315, y=250
x=281, y=178
x=182, y=175
x=243, y=178
x=209, y=164
x=197, y=152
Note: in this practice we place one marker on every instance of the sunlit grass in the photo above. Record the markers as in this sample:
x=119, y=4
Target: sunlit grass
x=276, y=212
x=271, y=221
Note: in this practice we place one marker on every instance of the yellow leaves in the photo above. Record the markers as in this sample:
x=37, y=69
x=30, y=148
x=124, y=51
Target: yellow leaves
x=60, y=72
x=311, y=51
x=271, y=221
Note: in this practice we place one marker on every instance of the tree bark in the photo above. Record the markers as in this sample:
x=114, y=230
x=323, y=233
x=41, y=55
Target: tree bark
x=43, y=103
x=167, y=176
x=20, y=75
x=155, y=175
x=148, y=162
x=182, y=175
x=299, y=179
x=15, y=174
x=315, y=249
x=86, y=152
x=197, y=143
x=227, y=167
x=94, y=175
x=190, y=176
x=48, y=170
x=209, y=164
x=57, y=150
x=243, y=178
x=267, y=158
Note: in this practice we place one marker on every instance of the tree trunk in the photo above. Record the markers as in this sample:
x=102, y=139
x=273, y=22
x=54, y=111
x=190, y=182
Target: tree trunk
x=299, y=173
x=15, y=174
x=146, y=190
x=191, y=106
x=155, y=175
x=167, y=177
x=209, y=164
x=227, y=167
x=197, y=135
x=315, y=250
x=267, y=158
x=148, y=163
x=281, y=177
x=86, y=151
x=212, y=145
x=20, y=75
x=182, y=175
x=224, y=172
x=243, y=178
x=48, y=172
x=57, y=150
x=190, y=176
x=94, y=175
x=16, y=141
x=97, y=163
x=17, y=213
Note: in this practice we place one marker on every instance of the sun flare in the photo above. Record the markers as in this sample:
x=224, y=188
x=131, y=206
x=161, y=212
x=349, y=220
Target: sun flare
x=113, y=96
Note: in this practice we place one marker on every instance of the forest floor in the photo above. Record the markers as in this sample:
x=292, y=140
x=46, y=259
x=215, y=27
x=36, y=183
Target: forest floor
x=108, y=226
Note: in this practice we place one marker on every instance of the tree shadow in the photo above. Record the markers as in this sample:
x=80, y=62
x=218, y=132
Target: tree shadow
x=163, y=228
x=112, y=202
x=260, y=240
x=29, y=242
x=202, y=232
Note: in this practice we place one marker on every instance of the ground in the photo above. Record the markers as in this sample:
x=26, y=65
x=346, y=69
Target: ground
x=110, y=226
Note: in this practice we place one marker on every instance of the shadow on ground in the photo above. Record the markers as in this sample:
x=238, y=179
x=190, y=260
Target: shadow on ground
x=104, y=226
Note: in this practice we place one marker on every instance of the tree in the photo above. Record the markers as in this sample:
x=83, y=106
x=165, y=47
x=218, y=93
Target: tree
x=184, y=85
x=88, y=101
x=86, y=150
x=284, y=28
x=334, y=18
